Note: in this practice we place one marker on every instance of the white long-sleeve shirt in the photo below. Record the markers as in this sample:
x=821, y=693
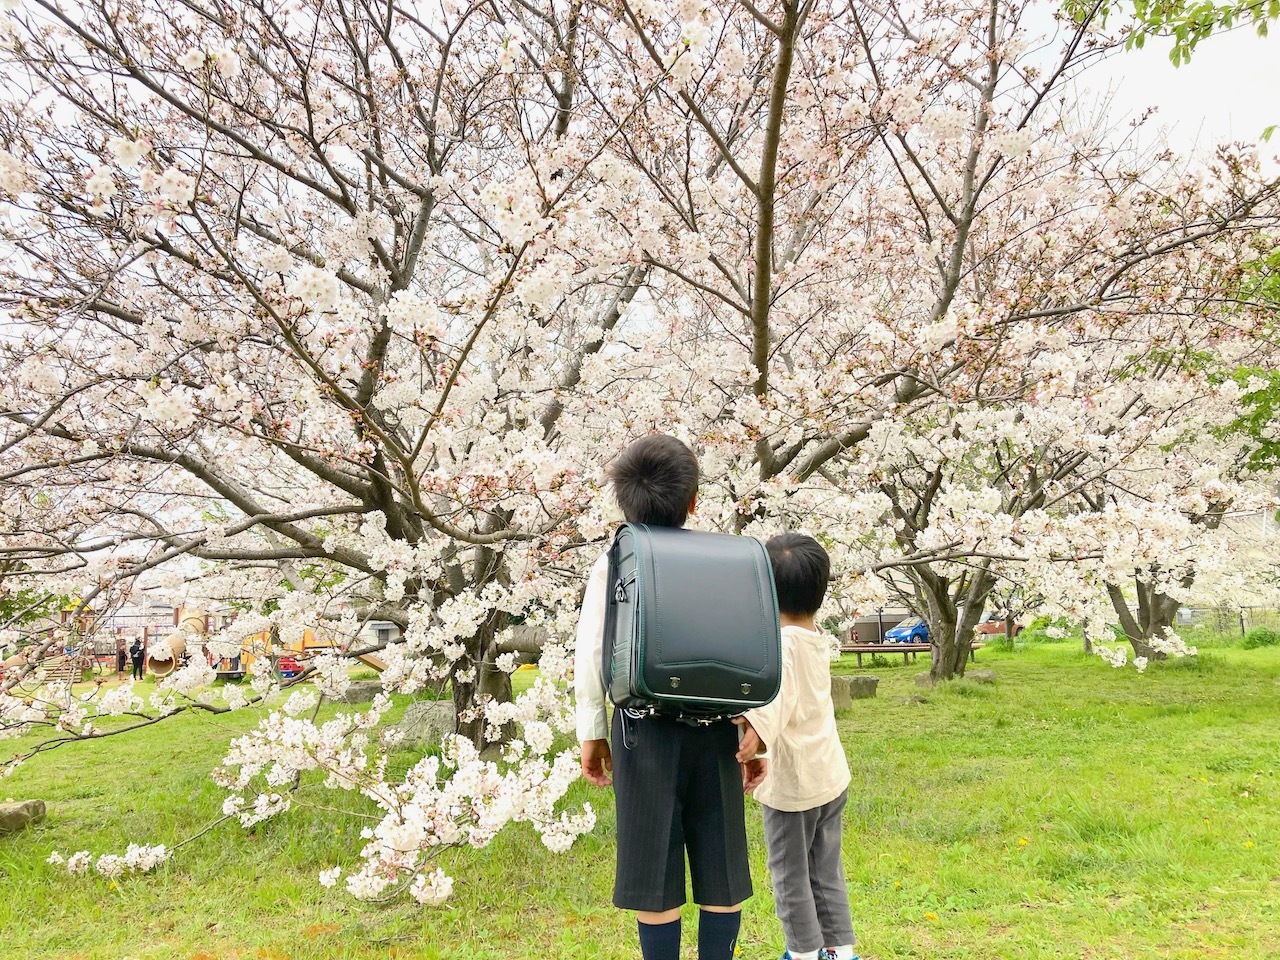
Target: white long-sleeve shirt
x=807, y=765
x=588, y=657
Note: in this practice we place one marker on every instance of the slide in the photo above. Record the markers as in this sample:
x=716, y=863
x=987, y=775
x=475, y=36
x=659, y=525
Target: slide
x=371, y=660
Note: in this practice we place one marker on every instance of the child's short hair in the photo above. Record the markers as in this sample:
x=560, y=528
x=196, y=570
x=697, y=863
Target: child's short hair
x=801, y=569
x=654, y=481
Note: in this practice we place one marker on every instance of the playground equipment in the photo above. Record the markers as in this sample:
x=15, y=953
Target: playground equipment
x=369, y=660
x=59, y=668
x=163, y=658
x=166, y=656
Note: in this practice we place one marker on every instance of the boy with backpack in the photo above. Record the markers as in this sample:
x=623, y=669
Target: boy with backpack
x=804, y=797
x=677, y=783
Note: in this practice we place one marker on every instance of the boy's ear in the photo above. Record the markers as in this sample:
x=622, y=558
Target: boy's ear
x=693, y=504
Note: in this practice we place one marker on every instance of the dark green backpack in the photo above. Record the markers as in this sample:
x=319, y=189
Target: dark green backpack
x=691, y=624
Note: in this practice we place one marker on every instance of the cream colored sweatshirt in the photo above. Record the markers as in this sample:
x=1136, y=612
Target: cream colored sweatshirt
x=807, y=765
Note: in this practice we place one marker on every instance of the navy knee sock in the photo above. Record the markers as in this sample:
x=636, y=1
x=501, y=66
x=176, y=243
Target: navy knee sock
x=660, y=941
x=717, y=934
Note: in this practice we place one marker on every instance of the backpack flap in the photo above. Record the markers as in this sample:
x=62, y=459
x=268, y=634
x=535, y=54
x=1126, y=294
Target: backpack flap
x=709, y=638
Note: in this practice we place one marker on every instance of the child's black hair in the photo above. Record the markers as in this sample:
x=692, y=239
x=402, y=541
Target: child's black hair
x=801, y=569
x=655, y=480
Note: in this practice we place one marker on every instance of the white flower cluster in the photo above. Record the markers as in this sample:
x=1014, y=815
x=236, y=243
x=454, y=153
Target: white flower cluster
x=558, y=836
x=433, y=888
x=167, y=404
x=540, y=288
x=947, y=123
x=542, y=705
x=234, y=697
x=282, y=747
x=228, y=62
x=315, y=287
x=128, y=153
x=263, y=679
x=16, y=713
x=276, y=259
x=935, y=336
x=509, y=47
x=300, y=702
x=101, y=187
x=176, y=187
x=225, y=59
x=119, y=700
x=1117, y=656
x=39, y=373
x=517, y=210
x=409, y=314
x=196, y=673
x=138, y=858
x=428, y=812
x=15, y=178
x=264, y=807
x=331, y=677
x=1014, y=144
x=904, y=102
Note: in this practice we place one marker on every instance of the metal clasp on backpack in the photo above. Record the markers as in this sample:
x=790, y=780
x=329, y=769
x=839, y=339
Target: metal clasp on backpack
x=620, y=589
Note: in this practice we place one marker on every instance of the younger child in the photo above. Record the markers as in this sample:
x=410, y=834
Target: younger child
x=804, y=795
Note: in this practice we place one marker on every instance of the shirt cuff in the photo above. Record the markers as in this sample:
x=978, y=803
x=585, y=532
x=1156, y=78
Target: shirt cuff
x=593, y=723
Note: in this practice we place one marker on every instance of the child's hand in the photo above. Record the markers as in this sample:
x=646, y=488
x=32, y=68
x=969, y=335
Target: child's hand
x=753, y=771
x=750, y=744
x=597, y=762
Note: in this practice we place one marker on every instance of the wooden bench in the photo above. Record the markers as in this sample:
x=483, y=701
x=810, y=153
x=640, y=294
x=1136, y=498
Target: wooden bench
x=908, y=650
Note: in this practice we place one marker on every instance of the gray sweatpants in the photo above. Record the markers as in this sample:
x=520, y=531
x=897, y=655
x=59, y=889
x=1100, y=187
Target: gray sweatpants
x=808, y=875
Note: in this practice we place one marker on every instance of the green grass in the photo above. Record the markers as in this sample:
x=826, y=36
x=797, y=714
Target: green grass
x=1070, y=811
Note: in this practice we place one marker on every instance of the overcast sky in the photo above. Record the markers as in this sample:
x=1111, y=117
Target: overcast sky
x=1229, y=91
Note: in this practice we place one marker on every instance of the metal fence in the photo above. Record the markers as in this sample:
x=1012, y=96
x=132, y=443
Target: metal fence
x=1230, y=620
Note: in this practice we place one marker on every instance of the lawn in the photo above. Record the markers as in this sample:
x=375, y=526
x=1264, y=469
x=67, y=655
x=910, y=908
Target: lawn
x=1070, y=811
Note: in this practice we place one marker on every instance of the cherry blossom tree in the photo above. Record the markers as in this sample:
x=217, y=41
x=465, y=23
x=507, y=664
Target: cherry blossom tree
x=1222, y=464
x=286, y=312
x=333, y=311
x=993, y=247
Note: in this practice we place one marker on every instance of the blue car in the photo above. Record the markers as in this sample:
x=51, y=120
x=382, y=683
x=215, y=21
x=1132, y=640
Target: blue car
x=911, y=630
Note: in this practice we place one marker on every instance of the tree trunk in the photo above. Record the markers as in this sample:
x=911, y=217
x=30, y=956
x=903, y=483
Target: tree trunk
x=949, y=657
x=1156, y=614
x=489, y=684
x=951, y=626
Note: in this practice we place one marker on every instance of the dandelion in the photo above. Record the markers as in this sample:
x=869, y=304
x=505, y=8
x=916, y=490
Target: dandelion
x=1023, y=841
x=931, y=916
